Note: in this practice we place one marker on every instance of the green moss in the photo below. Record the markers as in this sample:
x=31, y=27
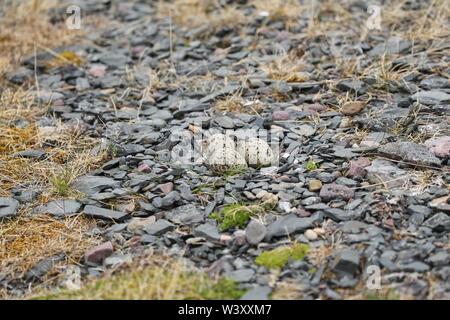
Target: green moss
x=310, y=165
x=277, y=258
x=238, y=215
x=233, y=216
x=223, y=289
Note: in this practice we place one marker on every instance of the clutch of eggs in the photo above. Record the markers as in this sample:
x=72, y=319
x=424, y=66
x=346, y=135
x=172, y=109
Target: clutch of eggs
x=256, y=152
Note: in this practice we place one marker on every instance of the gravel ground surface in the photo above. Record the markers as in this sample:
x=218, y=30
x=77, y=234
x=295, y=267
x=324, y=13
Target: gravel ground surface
x=355, y=199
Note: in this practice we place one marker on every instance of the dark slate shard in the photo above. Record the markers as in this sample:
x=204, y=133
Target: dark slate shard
x=186, y=214
x=30, y=154
x=415, y=266
x=61, y=207
x=440, y=222
x=105, y=214
x=410, y=152
x=346, y=262
x=291, y=224
x=208, y=231
x=336, y=191
x=356, y=86
x=93, y=184
x=431, y=97
x=159, y=227
x=338, y=215
x=393, y=45
x=257, y=293
x=8, y=207
x=41, y=268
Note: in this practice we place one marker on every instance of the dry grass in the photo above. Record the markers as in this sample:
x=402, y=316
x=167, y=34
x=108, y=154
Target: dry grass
x=287, y=11
x=27, y=240
x=24, y=26
x=150, y=278
x=196, y=13
x=287, y=67
x=287, y=290
x=237, y=104
x=68, y=154
x=431, y=22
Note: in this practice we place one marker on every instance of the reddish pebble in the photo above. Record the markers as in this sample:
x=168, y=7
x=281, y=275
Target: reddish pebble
x=280, y=115
x=97, y=71
x=97, y=254
x=143, y=167
x=166, y=187
x=357, y=166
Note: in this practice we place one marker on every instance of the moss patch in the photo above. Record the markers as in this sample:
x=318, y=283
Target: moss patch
x=277, y=258
x=310, y=166
x=153, y=282
x=232, y=216
x=238, y=215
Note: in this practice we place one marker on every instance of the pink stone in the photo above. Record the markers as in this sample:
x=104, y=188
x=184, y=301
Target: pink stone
x=280, y=115
x=97, y=71
x=439, y=146
x=97, y=254
x=166, y=187
x=357, y=167
x=336, y=191
x=302, y=213
x=143, y=167
x=315, y=108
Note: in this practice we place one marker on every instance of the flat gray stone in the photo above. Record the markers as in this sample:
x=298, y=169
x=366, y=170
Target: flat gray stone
x=241, y=275
x=432, y=97
x=290, y=224
x=159, y=227
x=346, y=262
x=387, y=173
x=105, y=214
x=93, y=184
x=257, y=293
x=208, y=231
x=255, y=232
x=31, y=154
x=410, y=152
x=61, y=207
x=186, y=214
x=8, y=207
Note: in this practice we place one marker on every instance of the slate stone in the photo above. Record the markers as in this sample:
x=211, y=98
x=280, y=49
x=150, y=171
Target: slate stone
x=61, y=207
x=341, y=215
x=159, y=227
x=8, y=207
x=346, y=262
x=30, y=154
x=43, y=267
x=387, y=173
x=431, y=98
x=241, y=275
x=105, y=214
x=255, y=232
x=356, y=86
x=290, y=224
x=335, y=191
x=185, y=214
x=440, y=222
x=208, y=231
x=410, y=152
x=257, y=293
x=93, y=184
x=97, y=254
